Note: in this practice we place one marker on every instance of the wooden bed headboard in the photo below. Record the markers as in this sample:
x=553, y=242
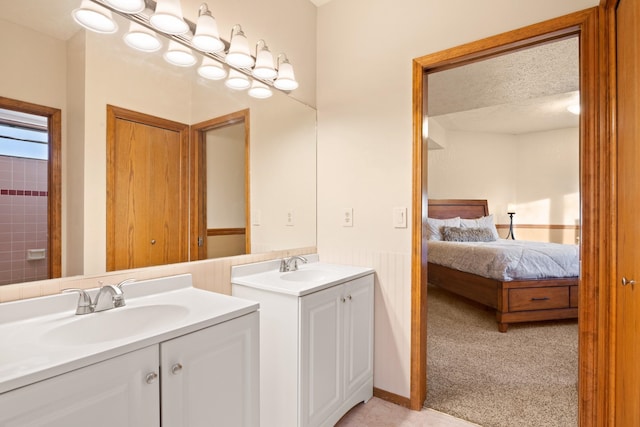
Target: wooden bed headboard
x=452, y=208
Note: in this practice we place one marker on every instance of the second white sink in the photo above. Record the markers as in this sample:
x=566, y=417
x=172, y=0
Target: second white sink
x=305, y=275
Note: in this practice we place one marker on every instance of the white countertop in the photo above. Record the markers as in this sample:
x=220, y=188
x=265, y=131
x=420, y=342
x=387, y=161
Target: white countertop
x=266, y=276
x=30, y=351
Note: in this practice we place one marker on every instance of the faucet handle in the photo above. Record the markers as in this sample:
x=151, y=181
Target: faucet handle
x=84, y=300
x=124, y=282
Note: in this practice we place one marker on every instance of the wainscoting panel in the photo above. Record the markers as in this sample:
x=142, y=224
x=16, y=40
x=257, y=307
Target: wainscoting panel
x=392, y=314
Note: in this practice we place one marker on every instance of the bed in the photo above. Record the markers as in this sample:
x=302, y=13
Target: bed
x=515, y=300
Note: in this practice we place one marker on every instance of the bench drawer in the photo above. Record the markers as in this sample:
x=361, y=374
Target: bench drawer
x=538, y=298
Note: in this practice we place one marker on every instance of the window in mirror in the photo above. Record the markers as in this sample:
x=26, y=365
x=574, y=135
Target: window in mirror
x=29, y=212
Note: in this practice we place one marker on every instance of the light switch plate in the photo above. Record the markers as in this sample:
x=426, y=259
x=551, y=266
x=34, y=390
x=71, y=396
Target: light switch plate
x=347, y=217
x=290, y=220
x=400, y=217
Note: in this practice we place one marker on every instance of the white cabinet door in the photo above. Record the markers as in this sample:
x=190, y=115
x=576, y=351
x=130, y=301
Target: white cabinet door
x=358, y=338
x=107, y=394
x=321, y=356
x=211, y=377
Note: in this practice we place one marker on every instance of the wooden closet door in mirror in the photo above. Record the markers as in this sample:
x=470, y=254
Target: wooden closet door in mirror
x=147, y=188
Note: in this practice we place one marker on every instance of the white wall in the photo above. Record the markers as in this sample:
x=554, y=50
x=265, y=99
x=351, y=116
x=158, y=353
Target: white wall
x=538, y=172
x=365, y=136
x=225, y=177
x=548, y=172
x=475, y=166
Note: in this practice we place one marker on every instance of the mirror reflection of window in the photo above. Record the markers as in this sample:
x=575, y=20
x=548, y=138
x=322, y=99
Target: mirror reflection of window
x=24, y=160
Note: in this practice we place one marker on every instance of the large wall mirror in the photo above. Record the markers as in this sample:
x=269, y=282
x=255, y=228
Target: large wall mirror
x=50, y=60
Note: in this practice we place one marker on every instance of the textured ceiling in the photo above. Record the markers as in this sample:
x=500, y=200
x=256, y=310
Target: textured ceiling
x=520, y=92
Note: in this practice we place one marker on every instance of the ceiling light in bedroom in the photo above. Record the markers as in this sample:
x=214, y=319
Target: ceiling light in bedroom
x=574, y=109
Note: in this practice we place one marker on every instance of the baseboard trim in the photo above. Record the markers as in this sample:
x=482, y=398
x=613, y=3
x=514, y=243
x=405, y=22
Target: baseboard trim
x=392, y=397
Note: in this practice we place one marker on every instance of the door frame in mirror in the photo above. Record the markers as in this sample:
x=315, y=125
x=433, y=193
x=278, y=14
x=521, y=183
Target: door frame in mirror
x=198, y=197
x=595, y=164
x=54, y=176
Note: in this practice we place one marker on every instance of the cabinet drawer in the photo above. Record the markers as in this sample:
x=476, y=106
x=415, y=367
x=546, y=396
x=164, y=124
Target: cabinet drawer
x=538, y=298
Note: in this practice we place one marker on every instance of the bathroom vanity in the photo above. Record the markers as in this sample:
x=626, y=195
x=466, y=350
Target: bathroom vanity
x=316, y=339
x=173, y=356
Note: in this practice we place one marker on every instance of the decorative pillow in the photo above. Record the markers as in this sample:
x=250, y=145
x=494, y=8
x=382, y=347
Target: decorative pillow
x=459, y=234
x=482, y=222
x=434, y=226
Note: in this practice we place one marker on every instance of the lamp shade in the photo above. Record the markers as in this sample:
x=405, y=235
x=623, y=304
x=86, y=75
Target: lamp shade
x=127, y=6
x=259, y=90
x=94, y=17
x=142, y=38
x=207, y=38
x=264, y=65
x=237, y=80
x=286, y=79
x=239, y=54
x=168, y=17
x=211, y=69
x=179, y=55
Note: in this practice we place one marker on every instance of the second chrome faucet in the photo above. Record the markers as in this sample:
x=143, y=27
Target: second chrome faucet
x=291, y=264
x=108, y=297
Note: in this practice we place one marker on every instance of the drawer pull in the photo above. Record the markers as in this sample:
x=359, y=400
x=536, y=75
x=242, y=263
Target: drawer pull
x=541, y=299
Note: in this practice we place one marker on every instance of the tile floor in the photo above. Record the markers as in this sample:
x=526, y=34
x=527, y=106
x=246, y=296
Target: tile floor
x=380, y=413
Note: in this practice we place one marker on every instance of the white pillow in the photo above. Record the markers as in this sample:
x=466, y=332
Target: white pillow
x=482, y=222
x=434, y=226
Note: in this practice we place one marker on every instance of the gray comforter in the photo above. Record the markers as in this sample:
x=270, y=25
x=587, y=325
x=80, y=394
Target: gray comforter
x=507, y=259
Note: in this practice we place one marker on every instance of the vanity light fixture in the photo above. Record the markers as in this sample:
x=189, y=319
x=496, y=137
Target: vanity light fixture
x=264, y=62
x=239, y=54
x=168, y=17
x=179, y=55
x=259, y=90
x=142, y=38
x=95, y=17
x=211, y=69
x=127, y=6
x=237, y=80
x=207, y=38
x=286, y=79
x=219, y=56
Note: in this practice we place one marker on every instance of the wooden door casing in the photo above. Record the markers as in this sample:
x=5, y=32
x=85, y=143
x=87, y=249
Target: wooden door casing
x=627, y=298
x=147, y=190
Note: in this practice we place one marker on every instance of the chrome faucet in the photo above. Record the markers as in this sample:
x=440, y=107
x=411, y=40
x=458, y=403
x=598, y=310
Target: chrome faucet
x=291, y=264
x=108, y=297
x=103, y=302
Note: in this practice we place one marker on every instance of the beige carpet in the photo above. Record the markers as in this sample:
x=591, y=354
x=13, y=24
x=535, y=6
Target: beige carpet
x=526, y=377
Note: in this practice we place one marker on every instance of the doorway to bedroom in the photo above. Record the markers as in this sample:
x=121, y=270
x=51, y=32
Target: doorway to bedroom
x=505, y=129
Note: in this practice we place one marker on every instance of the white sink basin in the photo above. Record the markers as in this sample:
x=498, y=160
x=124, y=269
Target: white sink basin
x=114, y=324
x=305, y=275
x=310, y=277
